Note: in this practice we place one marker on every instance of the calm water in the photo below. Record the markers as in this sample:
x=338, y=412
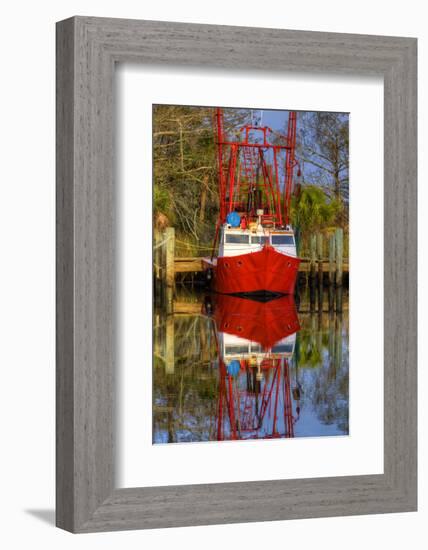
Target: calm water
x=232, y=368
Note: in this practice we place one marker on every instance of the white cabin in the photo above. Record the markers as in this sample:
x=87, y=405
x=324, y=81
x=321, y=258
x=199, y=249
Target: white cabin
x=235, y=241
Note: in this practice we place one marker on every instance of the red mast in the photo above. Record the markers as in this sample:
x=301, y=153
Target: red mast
x=220, y=140
x=290, y=163
x=253, y=168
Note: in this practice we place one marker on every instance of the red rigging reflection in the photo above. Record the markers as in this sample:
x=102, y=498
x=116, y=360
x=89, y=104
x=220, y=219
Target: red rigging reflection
x=255, y=340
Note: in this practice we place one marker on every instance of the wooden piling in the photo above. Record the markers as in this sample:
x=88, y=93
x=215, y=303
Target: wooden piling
x=331, y=270
x=157, y=267
x=169, y=345
x=339, y=256
x=331, y=259
x=157, y=335
x=313, y=254
x=320, y=271
x=312, y=293
x=320, y=254
x=339, y=268
x=339, y=299
x=297, y=240
x=160, y=260
x=312, y=276
x=169, y=266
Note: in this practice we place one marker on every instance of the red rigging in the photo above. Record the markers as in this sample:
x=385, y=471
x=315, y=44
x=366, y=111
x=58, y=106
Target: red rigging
x=254, y=237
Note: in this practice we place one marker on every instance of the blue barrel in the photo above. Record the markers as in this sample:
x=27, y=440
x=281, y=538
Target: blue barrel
x=233, y=368
x=233, y=219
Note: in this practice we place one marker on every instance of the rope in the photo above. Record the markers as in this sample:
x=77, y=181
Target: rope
x=185, y=245
x=191, y=245
x=162, y=243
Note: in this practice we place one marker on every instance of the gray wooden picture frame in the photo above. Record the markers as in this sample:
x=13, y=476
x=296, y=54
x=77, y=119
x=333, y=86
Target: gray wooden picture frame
x=87, y=51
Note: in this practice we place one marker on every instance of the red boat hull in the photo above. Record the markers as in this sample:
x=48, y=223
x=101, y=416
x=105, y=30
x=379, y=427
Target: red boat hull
x=256, y=272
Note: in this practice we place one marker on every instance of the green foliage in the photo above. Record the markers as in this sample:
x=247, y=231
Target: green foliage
x=313, y=210
x=161, y=200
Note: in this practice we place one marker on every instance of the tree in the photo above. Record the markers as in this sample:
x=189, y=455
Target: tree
x=323, y=142
x=313, y=210
x=184, y=166
x=185, y=169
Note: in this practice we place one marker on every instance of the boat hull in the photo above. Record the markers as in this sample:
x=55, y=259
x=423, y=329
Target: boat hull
x=265, y=271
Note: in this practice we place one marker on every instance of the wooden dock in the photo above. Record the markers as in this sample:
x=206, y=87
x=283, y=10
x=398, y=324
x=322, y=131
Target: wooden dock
x=167, y=266
x=167, y=262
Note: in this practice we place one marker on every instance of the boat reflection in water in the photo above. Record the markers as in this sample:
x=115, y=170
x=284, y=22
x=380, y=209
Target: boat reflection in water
x=255, y=341
x=229, y=368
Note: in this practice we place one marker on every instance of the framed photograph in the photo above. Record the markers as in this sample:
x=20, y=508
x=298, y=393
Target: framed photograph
x=236, y=274
x=244, y=325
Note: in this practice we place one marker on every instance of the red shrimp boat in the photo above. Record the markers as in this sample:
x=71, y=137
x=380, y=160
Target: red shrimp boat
x=255, y=242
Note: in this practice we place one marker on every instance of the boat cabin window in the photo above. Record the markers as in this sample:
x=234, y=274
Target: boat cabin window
x=283, y=239
x=256, y=348
x=237, y=238
x=259, y=239
x=283, y=348
x=235, y=350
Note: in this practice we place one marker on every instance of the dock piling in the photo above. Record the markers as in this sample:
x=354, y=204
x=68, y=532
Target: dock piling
x=320, y=271
x=169, y=345
x=312, y=273
x=169, y=266
x=339, y=268
x=157, y=261
x=331, y=271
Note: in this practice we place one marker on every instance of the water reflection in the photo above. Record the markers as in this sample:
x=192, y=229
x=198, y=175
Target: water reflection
x=255, y=341
x=228, y=368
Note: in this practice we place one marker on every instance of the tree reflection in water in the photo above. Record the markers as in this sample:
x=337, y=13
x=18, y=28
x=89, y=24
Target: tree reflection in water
x=233, y=368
